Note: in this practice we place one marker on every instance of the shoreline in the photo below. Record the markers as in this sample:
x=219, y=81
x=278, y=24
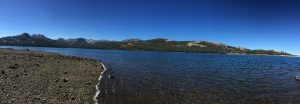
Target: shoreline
x=263, y=55
x=97, y=93
x=44, y=77
x=164, y=51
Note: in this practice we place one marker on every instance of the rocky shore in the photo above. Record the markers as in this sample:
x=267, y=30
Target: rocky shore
x=28, y=77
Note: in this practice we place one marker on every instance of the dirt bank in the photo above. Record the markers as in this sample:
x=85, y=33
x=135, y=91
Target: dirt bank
x=35, y=77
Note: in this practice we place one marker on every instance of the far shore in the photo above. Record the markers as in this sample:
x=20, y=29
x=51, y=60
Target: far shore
x=263, y=55
x=28, y=77
x=167, y=51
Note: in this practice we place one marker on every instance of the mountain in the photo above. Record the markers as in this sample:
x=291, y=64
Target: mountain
x=27, y=40
x=158, y=44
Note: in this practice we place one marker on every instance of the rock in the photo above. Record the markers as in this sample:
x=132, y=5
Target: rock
x=297, y=78
x=2, y=72
x=88, y=83
x=12, y=67
x=72, y=98
x=39, y=55
x=112, y=77
x=38, y=65
x=65, y=80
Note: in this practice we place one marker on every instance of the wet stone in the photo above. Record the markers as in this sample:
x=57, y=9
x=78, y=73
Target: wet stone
x=297, y=78
x=112, y=77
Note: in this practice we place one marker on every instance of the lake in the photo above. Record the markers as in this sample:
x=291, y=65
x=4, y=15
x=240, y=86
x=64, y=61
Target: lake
x=143, y=77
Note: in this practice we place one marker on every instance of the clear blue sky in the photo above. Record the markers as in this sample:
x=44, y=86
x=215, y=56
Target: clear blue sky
x=254, y=24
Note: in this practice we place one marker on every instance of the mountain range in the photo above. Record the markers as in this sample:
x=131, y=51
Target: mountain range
x=158, y=44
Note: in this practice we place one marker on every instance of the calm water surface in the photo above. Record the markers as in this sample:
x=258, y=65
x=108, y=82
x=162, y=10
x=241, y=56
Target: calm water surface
x=140, y=77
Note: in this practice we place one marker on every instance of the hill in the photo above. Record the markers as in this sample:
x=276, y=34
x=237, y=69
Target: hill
x=158, y=44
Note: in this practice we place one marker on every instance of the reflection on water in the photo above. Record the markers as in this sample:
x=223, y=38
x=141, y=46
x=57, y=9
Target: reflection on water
x=159, y=77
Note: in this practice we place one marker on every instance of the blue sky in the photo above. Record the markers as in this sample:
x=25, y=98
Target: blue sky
x=254, y=24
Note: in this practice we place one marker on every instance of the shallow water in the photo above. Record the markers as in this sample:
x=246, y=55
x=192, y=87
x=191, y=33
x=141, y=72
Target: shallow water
x=139, y=77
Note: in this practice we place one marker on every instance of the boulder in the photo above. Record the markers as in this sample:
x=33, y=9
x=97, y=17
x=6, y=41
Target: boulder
x=297, y=78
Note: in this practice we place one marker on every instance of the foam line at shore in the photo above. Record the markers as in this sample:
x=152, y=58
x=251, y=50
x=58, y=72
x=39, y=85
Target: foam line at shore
x=97, y=88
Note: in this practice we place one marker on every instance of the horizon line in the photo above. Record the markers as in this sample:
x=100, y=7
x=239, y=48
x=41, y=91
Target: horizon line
x=150, y=39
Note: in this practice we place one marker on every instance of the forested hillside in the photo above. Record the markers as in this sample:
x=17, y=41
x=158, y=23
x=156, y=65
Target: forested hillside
x=158, y=44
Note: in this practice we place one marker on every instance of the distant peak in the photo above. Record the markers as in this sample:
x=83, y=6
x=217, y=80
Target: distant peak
x=39, y=36
x=24, y=35
x=132, y=40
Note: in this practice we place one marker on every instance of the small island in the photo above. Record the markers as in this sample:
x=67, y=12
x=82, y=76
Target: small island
x=38, y=77
x=158, y=44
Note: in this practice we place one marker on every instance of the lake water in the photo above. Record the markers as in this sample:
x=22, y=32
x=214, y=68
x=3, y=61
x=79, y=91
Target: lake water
x=141, y=77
